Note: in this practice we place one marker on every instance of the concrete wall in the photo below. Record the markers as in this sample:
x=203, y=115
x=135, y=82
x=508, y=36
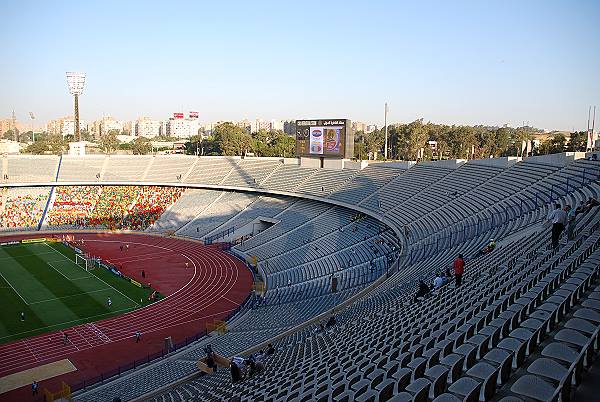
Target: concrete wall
x=559, y=160
x=291, y=161
x=355, y=165
x=397, y=165
x=334, y=164
x=310, y=162
x=502, y=162
x=448, y=164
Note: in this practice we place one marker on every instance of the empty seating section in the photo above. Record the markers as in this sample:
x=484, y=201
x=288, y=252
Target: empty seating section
x=30, y=169
x=524, y=326
x=222, y=209
x=87, y=168
x=264, y=206
x=123, y=168
x=287, y=177
x=324, y=182
x=298, y=213
x=250, y=173
x=189, y=205
x=169, y=168
x=404, y=186
x=361, y=186
x=210, y=170
x=22, y=208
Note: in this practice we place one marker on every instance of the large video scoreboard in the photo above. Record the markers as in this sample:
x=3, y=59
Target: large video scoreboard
x=332, y=138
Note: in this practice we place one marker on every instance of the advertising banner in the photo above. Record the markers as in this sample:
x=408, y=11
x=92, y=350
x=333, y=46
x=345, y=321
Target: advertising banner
x=9, y=243
x=316, y=140
x=136, y=283
x=332, y=139
x=178, y=115
x=40, y=240
x=329, y=138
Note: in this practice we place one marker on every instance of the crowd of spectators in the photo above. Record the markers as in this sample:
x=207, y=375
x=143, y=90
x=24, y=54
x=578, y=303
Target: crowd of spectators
x=21, y=210
x=112, y=207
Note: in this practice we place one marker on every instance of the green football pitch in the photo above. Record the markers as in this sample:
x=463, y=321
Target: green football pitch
x=43, y=281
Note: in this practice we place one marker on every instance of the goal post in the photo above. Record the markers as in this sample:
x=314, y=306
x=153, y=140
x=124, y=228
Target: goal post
x=82, y=261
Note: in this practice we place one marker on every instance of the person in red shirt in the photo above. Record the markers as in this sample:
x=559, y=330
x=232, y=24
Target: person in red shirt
x=459, y=269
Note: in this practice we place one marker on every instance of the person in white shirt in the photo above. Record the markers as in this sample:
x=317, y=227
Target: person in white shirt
x=438, y=281
x=558, y=217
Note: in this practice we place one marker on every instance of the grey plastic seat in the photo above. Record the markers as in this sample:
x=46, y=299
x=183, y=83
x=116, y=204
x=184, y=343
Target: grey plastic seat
x=533, y=387
x=516, y=346
x=571, y=336
x=549, y=368
x=467, y=388
x=561, y=352
x=588, y=314
x=419, y=388
x=580, y=325
x=447, y=397
x=438, y=375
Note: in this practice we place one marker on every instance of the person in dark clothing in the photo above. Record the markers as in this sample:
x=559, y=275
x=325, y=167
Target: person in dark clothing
x=270, y=349
x=236, y=374
x=558, y=217
x=34, y=388
x=210, y=360
x=459, y=269
x=330, y=322
x=422, y=291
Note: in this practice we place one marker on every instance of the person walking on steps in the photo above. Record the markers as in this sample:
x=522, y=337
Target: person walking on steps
x=459, y=269
x=558, y=217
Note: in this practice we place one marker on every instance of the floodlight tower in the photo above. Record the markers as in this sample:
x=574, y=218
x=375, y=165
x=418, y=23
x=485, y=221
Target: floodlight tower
x=76, y=81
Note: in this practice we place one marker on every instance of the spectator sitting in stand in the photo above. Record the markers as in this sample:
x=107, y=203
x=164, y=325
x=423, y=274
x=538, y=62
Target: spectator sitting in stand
x=422, y=291
x=448, y=275
x=591, y=202
x=580, y=208
x=438, y=281
x=489, y=247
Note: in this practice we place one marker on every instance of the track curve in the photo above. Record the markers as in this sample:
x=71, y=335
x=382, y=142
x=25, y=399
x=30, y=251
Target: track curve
x=211, y=286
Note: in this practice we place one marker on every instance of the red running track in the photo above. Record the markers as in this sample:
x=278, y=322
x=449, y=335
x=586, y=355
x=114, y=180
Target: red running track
x=212, y=286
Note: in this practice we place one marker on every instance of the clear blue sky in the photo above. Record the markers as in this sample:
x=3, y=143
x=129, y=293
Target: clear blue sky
x=462, y=62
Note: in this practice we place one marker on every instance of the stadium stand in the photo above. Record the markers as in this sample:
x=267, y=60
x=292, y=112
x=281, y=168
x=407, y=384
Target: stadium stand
x=123, y=168
x=28, y=169
x=190, y=205
x=22, y=208
x=88, y=168
x=523, y=326
x=219, y=211
x=169, y=168
x=123, y=207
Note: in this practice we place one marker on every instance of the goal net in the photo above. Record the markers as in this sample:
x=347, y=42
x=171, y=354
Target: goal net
x=83, y=262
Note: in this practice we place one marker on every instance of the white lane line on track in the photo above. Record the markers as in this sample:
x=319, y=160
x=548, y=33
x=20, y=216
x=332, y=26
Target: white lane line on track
x=81, y=336
x=27, y=346
x=62, y=323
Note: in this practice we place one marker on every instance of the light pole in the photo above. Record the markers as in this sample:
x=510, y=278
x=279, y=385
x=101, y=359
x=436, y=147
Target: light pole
x=32, y=116
x=76, y=82
x=385, y=151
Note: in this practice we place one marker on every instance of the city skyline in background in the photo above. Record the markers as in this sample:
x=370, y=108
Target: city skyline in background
x=461, y=63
